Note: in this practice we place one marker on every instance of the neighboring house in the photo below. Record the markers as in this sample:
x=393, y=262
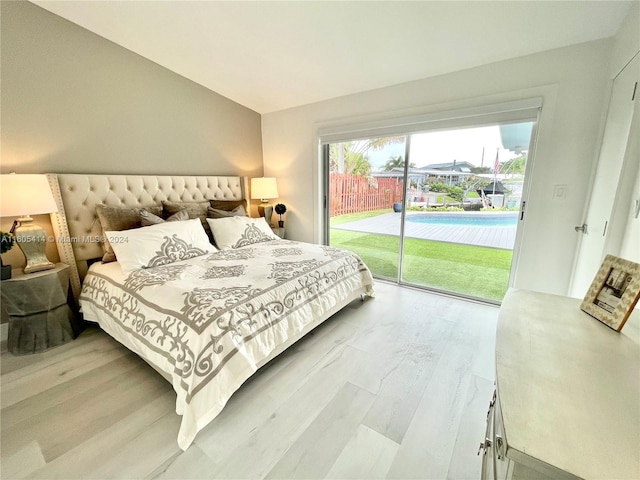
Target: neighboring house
x=451, y=173
x=450, y=166
x=425, y=175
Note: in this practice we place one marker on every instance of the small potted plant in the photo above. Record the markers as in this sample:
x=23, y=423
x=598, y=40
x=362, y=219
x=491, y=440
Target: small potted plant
x=280, y=209
x=7, y=241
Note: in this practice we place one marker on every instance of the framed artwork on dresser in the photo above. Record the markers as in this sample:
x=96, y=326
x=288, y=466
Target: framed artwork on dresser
x=614, y=292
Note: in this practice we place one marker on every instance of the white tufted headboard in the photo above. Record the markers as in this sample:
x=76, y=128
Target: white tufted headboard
x=76, y=224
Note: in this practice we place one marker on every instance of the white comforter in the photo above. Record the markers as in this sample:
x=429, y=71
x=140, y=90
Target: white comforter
x=210, y=321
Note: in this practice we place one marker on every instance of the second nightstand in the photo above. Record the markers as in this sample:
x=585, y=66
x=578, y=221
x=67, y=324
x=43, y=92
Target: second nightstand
x=41, y=314
x=278, y=231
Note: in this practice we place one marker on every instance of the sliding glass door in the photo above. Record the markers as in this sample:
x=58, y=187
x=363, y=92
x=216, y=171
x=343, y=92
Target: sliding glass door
x=438, y=209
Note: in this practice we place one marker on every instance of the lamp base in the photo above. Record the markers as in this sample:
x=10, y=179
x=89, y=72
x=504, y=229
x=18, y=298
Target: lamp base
x=265, y=210
x=32, y=240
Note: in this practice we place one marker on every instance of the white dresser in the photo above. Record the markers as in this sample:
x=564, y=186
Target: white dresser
x=567, y=402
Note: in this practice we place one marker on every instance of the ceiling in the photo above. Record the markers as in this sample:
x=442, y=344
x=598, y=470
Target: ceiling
x=270, y=56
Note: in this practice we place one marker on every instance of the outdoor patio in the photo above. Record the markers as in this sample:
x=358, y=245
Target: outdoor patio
x=389, y=224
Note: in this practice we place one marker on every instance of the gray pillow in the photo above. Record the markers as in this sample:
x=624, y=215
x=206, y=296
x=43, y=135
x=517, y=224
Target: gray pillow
x=193, y=209
x=226, y=205
x=118, y=219
x=147, y=218
x=217, y=213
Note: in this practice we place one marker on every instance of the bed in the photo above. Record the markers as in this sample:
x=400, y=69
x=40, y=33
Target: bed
x=206, y=318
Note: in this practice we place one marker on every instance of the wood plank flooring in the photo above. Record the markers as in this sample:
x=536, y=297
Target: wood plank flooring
x=393, y=387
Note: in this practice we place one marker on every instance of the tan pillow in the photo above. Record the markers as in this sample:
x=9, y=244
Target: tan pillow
x=193, y=209
x=147, y=218
x=117, y=219
x=216, y=213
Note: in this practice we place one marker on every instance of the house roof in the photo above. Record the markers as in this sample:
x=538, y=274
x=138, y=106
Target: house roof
x=454, y=166
x=420, y=172
x=271, y=55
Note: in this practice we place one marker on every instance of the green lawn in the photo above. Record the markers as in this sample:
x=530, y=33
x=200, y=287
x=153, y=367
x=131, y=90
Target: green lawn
x=477, y=271
x=352, y=217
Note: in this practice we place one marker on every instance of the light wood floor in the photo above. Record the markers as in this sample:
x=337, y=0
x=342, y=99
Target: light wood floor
x=395, y=387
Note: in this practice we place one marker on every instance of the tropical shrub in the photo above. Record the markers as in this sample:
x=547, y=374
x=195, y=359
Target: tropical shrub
x=451, y=190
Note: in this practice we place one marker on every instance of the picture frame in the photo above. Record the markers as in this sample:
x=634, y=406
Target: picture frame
x=614, y=292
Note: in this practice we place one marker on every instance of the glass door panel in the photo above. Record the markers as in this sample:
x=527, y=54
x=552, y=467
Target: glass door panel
x=460, y=230
x=365, y=196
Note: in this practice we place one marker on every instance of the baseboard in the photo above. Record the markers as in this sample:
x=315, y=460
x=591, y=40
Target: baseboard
x=4, y=332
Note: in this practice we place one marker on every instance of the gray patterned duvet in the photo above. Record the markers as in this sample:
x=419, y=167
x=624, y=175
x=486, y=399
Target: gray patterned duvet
x=209, y=322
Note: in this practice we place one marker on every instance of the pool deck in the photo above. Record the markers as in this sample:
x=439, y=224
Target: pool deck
x=389, y=224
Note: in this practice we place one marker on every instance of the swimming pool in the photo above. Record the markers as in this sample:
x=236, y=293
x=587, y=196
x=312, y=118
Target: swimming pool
x=466, y=219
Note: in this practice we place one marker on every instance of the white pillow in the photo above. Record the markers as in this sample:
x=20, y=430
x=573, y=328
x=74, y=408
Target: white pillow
x=235, y=232
x=159, y=244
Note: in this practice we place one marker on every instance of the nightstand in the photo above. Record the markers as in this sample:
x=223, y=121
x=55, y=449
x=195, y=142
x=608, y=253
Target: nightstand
x=41, y=313
x=278, y=231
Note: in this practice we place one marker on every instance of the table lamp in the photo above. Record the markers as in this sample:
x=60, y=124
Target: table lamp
x=264, y=188
x=22, y=196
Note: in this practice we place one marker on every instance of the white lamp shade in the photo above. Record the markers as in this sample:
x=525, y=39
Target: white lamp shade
x=25, y=195
x=264, y=188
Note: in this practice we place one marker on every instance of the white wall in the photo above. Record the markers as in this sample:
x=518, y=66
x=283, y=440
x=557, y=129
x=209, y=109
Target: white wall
x=573, y=83
x=627, y=41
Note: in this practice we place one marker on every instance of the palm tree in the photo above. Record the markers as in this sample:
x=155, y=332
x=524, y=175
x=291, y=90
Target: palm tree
x=396, y=162
x=356, y=164
x=380, y=143
x=343, y=160
x=350, y=157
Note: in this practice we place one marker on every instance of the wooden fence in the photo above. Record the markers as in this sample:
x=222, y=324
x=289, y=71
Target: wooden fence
x=353, y=193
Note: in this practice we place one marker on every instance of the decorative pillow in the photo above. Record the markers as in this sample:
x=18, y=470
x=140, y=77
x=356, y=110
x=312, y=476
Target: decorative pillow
x=160, y=244
x=216, y=213
x=193, y=209
x=117, y=219
x=226, y=205
x=235, y=232
x=148, y=218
